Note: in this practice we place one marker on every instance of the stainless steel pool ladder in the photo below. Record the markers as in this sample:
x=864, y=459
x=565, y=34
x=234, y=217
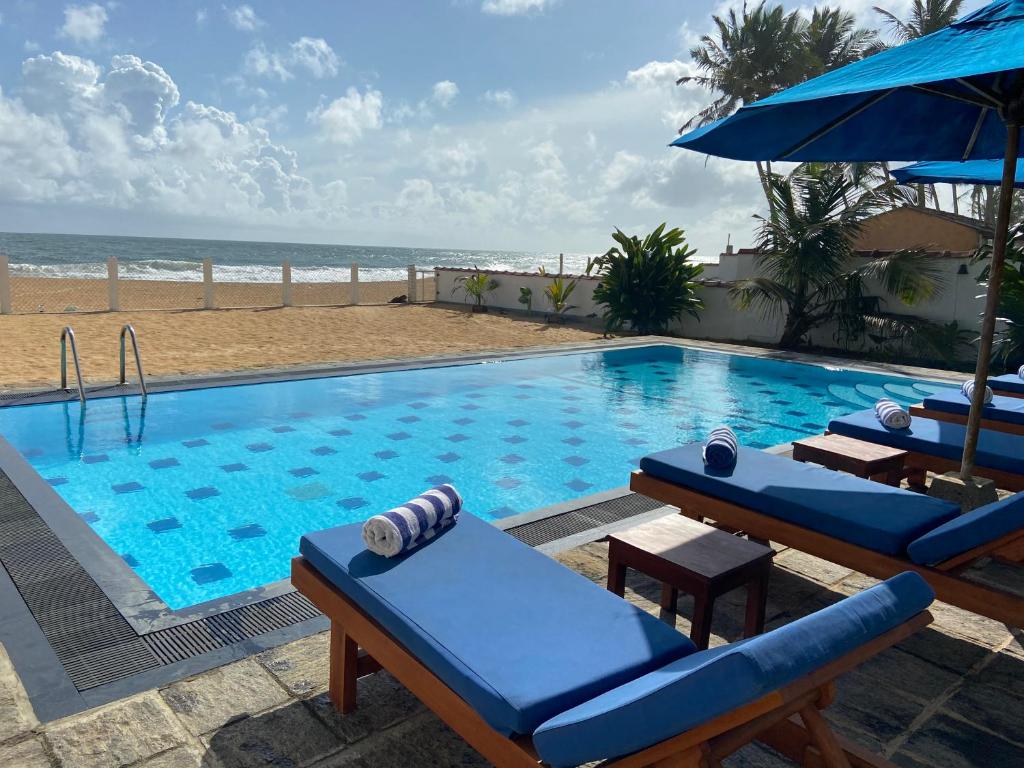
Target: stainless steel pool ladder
x=138, y=359
x=66, y=335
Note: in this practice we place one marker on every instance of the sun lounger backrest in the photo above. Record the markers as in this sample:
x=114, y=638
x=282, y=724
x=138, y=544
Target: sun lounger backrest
x=695, y=689
x=962, y=534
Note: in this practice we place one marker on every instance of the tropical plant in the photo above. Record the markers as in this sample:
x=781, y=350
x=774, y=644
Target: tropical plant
x=926, y=16
x=476, y=286
x=807, y=269
x=1008, y=347
x=558, y=293
x=646, y=284
x=526, y=297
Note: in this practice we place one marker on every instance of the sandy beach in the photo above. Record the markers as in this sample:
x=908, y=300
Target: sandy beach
x=185, y=342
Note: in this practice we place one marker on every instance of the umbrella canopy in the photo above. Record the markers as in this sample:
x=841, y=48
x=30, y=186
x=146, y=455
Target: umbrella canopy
x=987, y=172
x=957, y=94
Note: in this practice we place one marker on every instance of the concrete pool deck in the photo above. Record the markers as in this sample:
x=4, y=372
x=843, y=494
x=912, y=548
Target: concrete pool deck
x=950, y=697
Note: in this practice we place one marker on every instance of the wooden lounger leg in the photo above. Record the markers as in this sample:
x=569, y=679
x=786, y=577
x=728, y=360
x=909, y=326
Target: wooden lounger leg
x=344, y=669
x=697, y=757
x=831, y=753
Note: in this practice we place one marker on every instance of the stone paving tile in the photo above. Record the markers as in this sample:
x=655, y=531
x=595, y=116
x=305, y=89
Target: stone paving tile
x=951, y=653
x=898, y=670
x=944, y=742
x=223, y=695
x=30, y=753
x=288, y=736
x=862, y=714
x=301, y=667
x=756, y=756
x=119, y=734
x=813, y=567
x=423, y=741
x=189, y=756
x=381, y=702
x=16, y=715
x=979, y=629
x=992, y=708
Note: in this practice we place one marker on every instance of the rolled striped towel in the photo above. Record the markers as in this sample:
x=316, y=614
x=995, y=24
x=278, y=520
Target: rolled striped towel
x=968, y=391
x=415, y=522
x=721, y=448
x=1020, y=372
x=891, y=415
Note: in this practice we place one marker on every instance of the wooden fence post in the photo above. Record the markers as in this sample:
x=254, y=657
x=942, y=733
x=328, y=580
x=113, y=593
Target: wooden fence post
x=286, y=284
x=411, y=290
x=112, y=298
x=208, y=296
x=5, y=285
x=354, y=285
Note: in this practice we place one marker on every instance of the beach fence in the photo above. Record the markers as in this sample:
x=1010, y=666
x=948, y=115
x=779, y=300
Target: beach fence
x=114, y=286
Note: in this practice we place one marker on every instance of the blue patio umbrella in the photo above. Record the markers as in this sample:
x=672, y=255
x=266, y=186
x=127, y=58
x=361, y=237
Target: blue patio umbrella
x=954, y=95
x=987, y=172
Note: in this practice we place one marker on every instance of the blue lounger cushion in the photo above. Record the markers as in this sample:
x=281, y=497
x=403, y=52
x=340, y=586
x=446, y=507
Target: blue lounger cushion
x=979, y=526
x=872, y=515
x=1008, y=382
x=996, y=450
x=517, y=635
x=1002, y=408
x=699, y=687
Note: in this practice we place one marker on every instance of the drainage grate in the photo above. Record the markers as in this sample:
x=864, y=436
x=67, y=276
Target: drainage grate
x=91, y=639
x=549, y=529
x=208, y=634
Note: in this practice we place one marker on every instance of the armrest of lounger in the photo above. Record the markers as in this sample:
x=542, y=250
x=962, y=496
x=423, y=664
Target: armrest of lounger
x=976, y=528
x=693, y=690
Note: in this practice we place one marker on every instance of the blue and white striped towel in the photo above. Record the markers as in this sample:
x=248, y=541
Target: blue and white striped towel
x=415, y=522
x=1020, y=372
x=968, y=391
x=891, y=415
x=721, y=448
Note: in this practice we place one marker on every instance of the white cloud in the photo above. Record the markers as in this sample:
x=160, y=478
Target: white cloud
x=444, y=93
x=259, y=62
x=656, y=74
x=514, y=7
x=143, y=90
x=456, y=160
x=83, y=23
x=311, y=54
x=504, y=99
x=31, y=46
x=347, y=118
x=201, y=16
x=244, y=18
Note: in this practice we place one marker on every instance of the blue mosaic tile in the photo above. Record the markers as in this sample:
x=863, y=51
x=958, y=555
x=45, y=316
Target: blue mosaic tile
x=579, y=485
x=758, y=444
x=129, y=487
x=475, y=395
x=89, y=517
x=512, y=458
x=250, y=531
x=470, y=407
x=97, y=458
x=399, y=436
x=370, y=476
x=207, y=574
x=355, y=417
x=417, y=406
x=767, y=392
x=220, y=426
x=514, y=439
x=340, y=432
x=281, y=430
x=571, y=409
x=629, y=425
x=385, y=455
x=206, y=492
x=449, y=457
x=780, y=401
x=195, y=443
x=518, y=423
x=300, y=415
x=259, y=447
x=31, y=453
x=525, y=386
x=303, y=472
x=572, y=424
x=576, y=461
x=522, y=397
x=323, y=450
x=635, y=441
x=574, y=441
x=458, y=437
x=571, y=386
x=572, y=398
x=162, y=526
x=508, y=483
x=234, y=467
x=309, y=492
x=129, y=560
x=353, y=502
x=438, y=479
x=502, y=512
x=813, y=425
x=410, y=419
x=463, y=421
x=55, y=481
x=167, y=463
x=798, y=414
x=743, y=428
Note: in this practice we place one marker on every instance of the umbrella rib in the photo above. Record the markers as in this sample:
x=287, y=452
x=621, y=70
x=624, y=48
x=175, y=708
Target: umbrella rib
x=833, y=124
x=982, y=114
x=985, y=93
x=964, y=97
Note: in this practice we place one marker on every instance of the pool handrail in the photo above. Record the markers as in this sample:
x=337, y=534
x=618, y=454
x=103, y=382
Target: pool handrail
x=67, y=334
x=127, y=328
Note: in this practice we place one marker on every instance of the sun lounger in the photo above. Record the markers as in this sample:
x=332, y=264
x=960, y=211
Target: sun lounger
x=1009, y=385
x=937, y=446
x=1003, y=414
x=870, y=527
x=534, y=664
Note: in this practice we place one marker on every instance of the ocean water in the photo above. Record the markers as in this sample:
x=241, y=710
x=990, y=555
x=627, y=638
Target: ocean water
x=206, y=492
x=158, y=258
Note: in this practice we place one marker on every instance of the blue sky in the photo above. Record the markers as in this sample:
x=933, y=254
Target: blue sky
x=504, y=124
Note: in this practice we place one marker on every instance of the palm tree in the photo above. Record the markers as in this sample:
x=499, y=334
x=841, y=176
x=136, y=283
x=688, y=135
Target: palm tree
x=833, y=40
x=807, y=272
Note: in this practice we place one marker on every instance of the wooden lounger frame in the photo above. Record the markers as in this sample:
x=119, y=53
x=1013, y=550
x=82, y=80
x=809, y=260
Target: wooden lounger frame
x=945, y=578
x=1003, y=392
x=996, y=425
x=788, y=719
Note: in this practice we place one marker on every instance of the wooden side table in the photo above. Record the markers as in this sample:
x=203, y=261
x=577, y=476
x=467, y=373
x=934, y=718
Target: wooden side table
x=688, y=556
x=847, y=454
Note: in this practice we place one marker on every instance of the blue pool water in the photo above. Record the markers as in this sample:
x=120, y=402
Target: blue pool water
x=206, y=492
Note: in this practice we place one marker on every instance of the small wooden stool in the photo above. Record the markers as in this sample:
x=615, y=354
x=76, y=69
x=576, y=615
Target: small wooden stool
x=860, y=458
x=694, y=558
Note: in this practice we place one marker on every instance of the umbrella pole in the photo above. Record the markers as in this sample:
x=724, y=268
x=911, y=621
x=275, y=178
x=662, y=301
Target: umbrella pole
x=988, y=321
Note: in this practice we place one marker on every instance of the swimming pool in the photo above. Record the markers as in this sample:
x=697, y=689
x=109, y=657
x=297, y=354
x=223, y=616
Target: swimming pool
x=205, y=492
